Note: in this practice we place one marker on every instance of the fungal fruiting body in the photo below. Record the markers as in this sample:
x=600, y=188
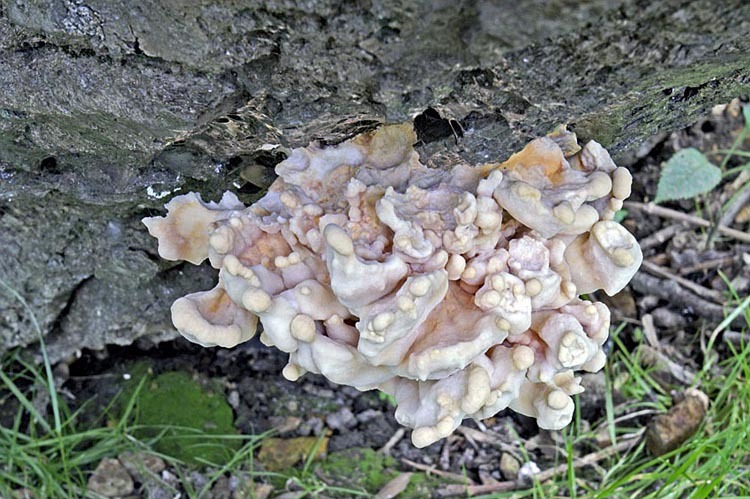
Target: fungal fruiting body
x=455, y=291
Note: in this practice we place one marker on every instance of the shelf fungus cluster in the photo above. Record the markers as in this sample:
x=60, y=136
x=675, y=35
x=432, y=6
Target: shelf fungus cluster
x=457, y=291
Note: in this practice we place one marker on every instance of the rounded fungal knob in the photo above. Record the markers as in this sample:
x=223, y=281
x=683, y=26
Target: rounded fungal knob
x=338, y=240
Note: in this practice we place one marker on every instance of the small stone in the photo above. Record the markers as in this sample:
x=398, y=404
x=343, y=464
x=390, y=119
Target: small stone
x=156, y=490
x=313, y=426
x=222, y=488
x=110, y=479
x=285, y=424
x=234, y=399
x=292, y=405
x=168, y=477
x=140, y=464
x=350, y=391
x=666, y=318
x=198, y=480
x=527, y=471
x=367, y=415
x=247, y=489
x=666, y=432
x=509, y=466
x=341, y=419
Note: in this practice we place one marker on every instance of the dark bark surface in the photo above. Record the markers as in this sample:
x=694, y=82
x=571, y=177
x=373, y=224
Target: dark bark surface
x=110, y=107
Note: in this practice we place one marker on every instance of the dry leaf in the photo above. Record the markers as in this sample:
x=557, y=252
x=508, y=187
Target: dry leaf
x=394, y=487
x=280, y=453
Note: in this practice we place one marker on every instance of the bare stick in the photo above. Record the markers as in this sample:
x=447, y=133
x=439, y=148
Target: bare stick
x=707, y=265
x=695, y=288
x=445, y=474
x=736, y=338
x=678, y=296
x=660, y=211
x=743, y=196
x=386, y=449
x=659, y=237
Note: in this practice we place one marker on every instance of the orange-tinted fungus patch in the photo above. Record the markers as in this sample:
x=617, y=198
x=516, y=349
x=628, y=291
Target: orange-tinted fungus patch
x=330, y=188
x=368, y=227
x=265, y=249
x=544, y=154
x=216, y=307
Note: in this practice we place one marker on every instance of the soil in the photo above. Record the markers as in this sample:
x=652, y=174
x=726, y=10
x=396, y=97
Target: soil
x=262, y=399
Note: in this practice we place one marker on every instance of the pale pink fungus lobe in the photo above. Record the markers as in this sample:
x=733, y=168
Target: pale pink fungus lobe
x=456, y=291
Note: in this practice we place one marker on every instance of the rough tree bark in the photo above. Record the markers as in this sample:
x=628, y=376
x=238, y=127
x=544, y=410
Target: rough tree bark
x=108, y=107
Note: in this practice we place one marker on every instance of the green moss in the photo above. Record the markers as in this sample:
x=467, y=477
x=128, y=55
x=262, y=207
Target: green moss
x=184, y=416
x=696, y=74
x=365, y=469
x=604, y=126
x=421, y=485
x=358, y=468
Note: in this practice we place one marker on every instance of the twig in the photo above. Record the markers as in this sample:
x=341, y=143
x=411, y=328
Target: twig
x=445, y=474
x=649, y=331
x=392, y=441
x=660, y=211
x=626, y=417
x=736, y=204
x=695, y=288
x=654, y=358
x=488, y=437
x=587, y=460
x=707, y=265
x=659, y=237
x=736, y=338
x=471, y=441
x=445, y=453
x=679, y=297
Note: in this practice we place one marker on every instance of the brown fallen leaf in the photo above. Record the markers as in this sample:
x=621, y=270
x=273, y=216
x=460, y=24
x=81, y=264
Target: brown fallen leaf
x=622, y=302
x=280, y=453
x=666, y=432
x=394, y=487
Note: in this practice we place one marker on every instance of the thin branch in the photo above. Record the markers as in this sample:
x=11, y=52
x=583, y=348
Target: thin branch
x=660, y=211
x=396, y=438
x=659, y=237
x=707, y=265
x=677, y=296
x=695, y=288
x=445, y=474
x=736, y=203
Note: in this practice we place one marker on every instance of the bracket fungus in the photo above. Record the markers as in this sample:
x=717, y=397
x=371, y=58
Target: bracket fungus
x=456, y=291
